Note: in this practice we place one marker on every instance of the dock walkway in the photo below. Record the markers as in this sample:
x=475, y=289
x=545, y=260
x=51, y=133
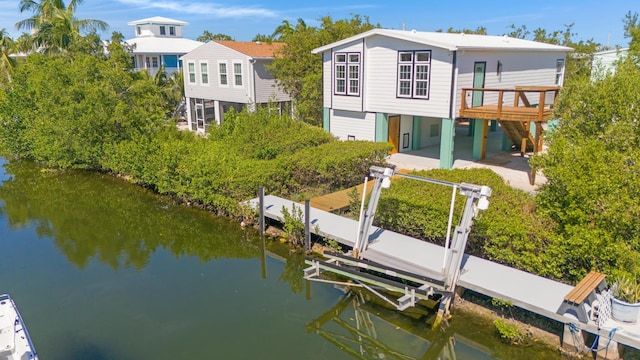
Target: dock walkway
x=531, y=292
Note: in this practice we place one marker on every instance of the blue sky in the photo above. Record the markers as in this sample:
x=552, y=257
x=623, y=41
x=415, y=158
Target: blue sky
x=242, y=19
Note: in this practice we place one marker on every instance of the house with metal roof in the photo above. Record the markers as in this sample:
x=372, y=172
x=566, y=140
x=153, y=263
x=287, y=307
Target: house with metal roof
x=604, y=62
x=221, y=75
x=412, y=88
x=159, y=42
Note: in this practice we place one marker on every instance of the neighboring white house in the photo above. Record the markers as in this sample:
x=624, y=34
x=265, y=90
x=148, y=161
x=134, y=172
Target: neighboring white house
x=405, y=87
x=604, y=62
x=159, y=41
x=221, y=75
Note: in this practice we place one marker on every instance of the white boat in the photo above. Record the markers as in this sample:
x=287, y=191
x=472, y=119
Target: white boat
x=15, y=342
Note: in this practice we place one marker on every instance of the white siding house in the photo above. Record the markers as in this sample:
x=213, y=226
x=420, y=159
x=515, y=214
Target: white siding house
x=604, y=62
x=405, y=87
x=159, y=42
x=221, y=75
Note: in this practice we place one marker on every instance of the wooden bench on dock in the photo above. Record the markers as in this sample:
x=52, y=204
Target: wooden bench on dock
x=584, y=293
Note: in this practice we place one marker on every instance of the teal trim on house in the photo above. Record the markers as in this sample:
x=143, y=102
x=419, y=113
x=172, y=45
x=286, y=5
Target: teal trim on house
x=446, y=143
x=494, y=125
x=472, y=125
x=477, y=139
x=552, y=125
x=417, y=133
x=506, y=142
x=382, y=127
x=326, y=112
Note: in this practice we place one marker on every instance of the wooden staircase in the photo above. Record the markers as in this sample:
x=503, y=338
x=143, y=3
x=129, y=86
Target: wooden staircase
x=517, y=131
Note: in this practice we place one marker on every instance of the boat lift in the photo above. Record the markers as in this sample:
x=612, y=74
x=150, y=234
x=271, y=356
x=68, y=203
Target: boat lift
x=378, y=277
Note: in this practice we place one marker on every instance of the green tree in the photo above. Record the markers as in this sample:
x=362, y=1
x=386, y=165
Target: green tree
x=171, y=88
x=207, y=36
x=480, y=30
x=54, y=25
x=96, y=104
x=120, y=52
x=520, y=32
x=632, y=32
x=263, y=38
x=298, y=71
x=285, y=29
x=593, y=171
x=7, y=47
x=24, y=43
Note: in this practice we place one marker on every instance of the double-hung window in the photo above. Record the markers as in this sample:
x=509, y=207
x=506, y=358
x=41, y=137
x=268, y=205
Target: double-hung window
x=341, y=74
x=347, y=73
x=559, y=71
x=222, y=69
x=414, y=69
x=237, y=74
x=191, y=67
x=204, y=73
x=172, y=30
x=163, y=30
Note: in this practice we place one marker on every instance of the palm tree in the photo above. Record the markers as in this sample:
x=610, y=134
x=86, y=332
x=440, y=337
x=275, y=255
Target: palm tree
x=283, y=30
x=7, y=47
x=54, y=25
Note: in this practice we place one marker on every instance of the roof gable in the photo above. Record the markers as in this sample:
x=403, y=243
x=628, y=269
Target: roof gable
x=452, y=41
x=253, y=49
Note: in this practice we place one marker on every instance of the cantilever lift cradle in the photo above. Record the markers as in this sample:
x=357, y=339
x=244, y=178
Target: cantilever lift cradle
x=383, y=272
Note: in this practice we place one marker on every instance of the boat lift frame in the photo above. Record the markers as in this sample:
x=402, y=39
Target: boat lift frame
x=414, y=287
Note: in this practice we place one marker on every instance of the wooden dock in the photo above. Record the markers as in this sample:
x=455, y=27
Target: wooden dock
x=531, y=292
x=340, y=200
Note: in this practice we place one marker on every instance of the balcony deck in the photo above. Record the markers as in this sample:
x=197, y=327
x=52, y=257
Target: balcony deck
x=507, y=113
x=521, y=110
x=515, y=119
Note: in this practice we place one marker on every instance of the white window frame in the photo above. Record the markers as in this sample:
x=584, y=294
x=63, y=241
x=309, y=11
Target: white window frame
x=409, y=74
x=353, y=74
x=163, y=30
x=138, y=30
x=347, y=75
x=223, y=75
x=172, y=31
x=237, y=75
x=204, y=73
x=191, y=72
x=559, y=72
x=421, y=77
x=155, y=62
x=340, y=73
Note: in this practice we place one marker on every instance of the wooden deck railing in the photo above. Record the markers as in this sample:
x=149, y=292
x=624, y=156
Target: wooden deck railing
x=500, y=111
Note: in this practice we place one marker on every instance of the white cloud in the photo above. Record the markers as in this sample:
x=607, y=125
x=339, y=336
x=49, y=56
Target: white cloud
x=215, y=10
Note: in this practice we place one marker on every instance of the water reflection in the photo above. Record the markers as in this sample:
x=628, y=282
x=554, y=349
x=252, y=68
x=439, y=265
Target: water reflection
x=172, y=297
x=125, y=226
x=367, y=330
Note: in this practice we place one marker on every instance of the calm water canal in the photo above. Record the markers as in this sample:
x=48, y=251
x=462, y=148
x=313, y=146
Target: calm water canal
x=102, y=269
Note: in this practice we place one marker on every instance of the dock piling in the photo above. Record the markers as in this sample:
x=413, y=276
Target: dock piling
x=307, y=225
x=261, y=209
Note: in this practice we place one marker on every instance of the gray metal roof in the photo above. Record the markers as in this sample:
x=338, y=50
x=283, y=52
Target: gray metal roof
x=451, y=41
